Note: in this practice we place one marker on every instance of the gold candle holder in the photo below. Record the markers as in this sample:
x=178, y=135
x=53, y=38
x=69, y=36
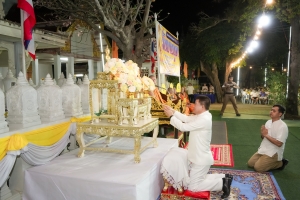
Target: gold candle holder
x=146, y=93
x=131, y=95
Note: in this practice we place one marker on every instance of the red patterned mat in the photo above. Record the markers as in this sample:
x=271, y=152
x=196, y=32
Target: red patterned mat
x=222, y=154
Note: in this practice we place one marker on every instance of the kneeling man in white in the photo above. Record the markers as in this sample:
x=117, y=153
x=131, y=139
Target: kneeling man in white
x=188, y=168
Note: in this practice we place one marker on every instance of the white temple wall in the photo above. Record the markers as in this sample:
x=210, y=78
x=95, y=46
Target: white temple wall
x=44, y=69
x=3, y=58
x=3, y=62
x=7, y=57
x=81, y=44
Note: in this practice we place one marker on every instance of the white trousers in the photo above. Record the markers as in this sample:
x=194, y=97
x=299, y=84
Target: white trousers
x=201, y=181
x=181, y=173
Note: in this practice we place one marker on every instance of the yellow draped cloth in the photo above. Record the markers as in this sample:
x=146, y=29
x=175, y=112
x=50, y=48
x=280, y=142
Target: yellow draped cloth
x=46, y=136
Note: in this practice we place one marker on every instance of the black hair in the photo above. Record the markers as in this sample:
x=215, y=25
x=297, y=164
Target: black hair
x=281, y=109
x=203, y=100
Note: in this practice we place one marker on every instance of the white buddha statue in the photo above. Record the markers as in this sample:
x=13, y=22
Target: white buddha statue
x=50, y=101
x=85, y=94
x=71, y=98
x=3, y=123
x=22, y=105
x=61, y=80
x=9, y=81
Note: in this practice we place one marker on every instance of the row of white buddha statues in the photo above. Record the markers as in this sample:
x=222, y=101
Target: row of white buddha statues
x=28, y=106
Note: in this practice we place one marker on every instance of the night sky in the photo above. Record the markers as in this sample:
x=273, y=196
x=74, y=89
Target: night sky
x=183, y=13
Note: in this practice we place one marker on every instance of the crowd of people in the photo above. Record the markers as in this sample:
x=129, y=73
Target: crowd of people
x=257, y=95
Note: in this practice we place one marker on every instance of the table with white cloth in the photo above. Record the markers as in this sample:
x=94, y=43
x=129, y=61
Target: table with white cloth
x=109, y=130
x=105, y=176
x=212, y=97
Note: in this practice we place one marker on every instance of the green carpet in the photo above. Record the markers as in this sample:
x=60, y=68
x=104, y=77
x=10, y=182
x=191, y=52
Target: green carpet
x=244, y=135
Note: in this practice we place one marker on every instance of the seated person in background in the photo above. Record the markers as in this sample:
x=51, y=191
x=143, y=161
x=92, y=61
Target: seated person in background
x=211, y=88
x=189, y=106
x=204, y=88
x=172, y=94
x=263, y=96
x=162, y=98
x=156, y=94
x=254, y=96
x=190, y=90
x=183, y=94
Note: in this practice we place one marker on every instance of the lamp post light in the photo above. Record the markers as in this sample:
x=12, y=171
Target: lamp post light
x=265, y=85
x=238, y=80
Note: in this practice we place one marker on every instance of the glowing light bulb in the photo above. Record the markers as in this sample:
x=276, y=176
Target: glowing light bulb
x=263, y=21
x=258, y=32
x=269, y=1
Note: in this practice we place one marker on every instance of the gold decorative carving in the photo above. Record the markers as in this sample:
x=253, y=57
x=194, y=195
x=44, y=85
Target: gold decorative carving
x=71, y=29
x=112, y=97
x=157, y=110
x=133, y=109
x=96, y=50
x=112, y=130
x=103, y=76
x=107, y=53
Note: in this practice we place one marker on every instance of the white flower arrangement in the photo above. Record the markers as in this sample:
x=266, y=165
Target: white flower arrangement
x=126, y=73
x=148, y=83
x=115, y=66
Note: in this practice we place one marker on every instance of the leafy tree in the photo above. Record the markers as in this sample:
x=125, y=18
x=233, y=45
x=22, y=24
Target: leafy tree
x=277, y=87
x=289, y=11
x=213, y=49
x=216, y=42
x=127, y=22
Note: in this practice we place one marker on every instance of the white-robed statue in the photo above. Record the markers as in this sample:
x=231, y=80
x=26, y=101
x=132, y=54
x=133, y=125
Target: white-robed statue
x=188, y=169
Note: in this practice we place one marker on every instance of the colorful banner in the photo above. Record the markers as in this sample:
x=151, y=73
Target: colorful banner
x=167, y=51
x=153, y=54
x=29, y=21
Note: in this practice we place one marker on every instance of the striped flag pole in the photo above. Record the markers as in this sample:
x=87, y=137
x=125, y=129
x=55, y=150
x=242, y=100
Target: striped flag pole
x=27, y=23
x=23, y=47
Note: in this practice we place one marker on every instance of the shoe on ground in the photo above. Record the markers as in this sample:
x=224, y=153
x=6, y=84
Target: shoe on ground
x=238, y=115
x=284, y=163
x=221, y=114
x=230, y=177
x=226, y=187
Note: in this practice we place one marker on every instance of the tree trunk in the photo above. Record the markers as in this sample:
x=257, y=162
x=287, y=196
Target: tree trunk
x=227, y=71
x=292, y=100
x=212, y=74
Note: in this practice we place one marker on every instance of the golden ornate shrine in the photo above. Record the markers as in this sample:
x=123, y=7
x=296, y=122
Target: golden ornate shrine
x=124, y=117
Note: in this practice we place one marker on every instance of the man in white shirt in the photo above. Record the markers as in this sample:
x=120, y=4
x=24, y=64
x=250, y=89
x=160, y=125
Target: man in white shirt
x=189, y=168
x=204, y=88
x=211, y=88
x=190, y=88
x=270, y=153
x=254, y=96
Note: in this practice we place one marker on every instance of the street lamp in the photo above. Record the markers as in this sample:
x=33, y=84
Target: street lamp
x=263, y=21
x=265, y=77
x=269, y=1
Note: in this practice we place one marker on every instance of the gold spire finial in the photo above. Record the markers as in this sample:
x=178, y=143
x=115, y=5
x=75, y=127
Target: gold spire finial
x=107, y=53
